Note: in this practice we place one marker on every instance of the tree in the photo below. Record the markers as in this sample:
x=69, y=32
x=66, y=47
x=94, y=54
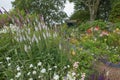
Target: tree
x=115, y=13
x=92, y=6
x=51, y=10
x=104, y=10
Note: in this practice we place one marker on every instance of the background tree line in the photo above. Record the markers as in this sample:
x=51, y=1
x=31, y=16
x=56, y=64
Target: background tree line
x=95, y=9
x=52, y=10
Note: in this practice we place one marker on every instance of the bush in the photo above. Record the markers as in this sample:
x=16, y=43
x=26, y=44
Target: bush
x=80, y=16
x=115, y=13
x=85, y=26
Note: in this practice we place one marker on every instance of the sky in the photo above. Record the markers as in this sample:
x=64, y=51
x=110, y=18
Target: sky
x=69, y=7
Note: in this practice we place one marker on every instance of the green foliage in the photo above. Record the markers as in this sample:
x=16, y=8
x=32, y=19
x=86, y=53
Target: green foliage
x=4, y=20
x=22, y=48
x=80, y=16
x=104, y=9
x=52, y=10
x=29, y=45
x=87, y=48
x=11, y=17
x=88, y=25
x=115, y=13
x=86, y=5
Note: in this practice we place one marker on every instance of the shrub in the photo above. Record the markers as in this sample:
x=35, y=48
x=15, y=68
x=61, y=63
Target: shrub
x=80, y=16
x=85, y=26
x=115, y=13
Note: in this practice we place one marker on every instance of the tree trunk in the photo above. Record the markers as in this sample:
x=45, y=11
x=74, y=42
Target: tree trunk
x=92, y=15
x=93, y=7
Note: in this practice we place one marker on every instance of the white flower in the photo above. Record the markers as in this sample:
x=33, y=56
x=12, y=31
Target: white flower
x=11, y=79
x=82, y=76
x=55, y=66
x=47, y=34
x=43, y=70
x=39, y=38
x=28, y=73
x=18, y=74
x=21, y=38
x=3, y=31
x=30, y=79
x=36, y=28
x=39, y=26
x=28, y=30
x=68, y=66
x=70, y=76
x=25, y=48
x=34, y=72
x=39, y=63
x=8, y=58
x=65, y=67
x=56, y=77
x=1, y=62
x=29, y=47
x=95, y=39
x=34, y=38
x=31, y=65
x=44, y=35
x=73, y=73
x=39, y=76
x=9, y=64
x=18, y=68
x=50, y=69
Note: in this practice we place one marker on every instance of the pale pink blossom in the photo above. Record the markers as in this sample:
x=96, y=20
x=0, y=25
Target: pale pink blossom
x=75, y=65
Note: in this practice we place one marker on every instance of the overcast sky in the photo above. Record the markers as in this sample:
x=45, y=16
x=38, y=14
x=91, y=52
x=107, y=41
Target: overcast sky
x=7, y=5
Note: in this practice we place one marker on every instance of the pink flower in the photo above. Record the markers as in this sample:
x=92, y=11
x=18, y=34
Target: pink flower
x=89, y=30
x=82, y=76
x=96, y=28
x=75, y=65
x=104, y=33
